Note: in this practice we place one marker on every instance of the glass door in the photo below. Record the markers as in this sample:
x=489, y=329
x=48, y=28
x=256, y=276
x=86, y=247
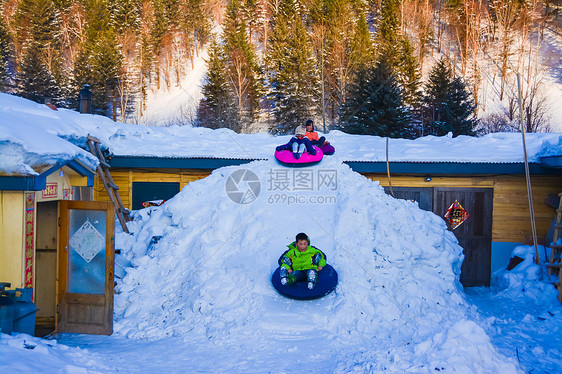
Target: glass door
x=85, y=267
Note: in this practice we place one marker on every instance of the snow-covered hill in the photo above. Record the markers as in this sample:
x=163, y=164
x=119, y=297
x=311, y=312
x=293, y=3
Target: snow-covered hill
x=398, y=306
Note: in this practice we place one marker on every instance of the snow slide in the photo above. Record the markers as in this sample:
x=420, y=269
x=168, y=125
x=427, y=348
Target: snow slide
x=201, y=266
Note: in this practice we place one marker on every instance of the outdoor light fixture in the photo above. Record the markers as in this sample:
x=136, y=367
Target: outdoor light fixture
x=427, y=179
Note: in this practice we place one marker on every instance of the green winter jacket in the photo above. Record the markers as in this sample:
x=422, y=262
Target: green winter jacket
x=303, y=260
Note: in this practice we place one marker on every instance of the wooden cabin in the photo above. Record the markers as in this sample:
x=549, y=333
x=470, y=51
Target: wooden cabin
x=41, y=244
x=495, y=196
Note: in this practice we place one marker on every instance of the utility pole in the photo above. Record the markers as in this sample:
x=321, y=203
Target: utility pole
x=322, y=77
x=527, y=175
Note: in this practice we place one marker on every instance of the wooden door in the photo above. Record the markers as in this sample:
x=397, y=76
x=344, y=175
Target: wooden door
x=85, y=267
x=475, y=234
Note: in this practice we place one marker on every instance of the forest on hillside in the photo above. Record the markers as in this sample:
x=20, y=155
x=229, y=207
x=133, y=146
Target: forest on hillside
x=399, y=68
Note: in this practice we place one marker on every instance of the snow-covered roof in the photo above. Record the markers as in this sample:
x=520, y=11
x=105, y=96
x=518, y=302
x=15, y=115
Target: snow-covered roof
x=30, y=134
x=28, y=145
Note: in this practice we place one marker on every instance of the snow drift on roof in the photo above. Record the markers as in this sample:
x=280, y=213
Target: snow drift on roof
x=187, y=142
x=26, y=142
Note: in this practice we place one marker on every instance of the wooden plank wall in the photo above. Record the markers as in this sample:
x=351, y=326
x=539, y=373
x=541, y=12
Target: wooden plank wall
x=511, y=216
x=511, y=207
x=124, y=178
x=510, y=210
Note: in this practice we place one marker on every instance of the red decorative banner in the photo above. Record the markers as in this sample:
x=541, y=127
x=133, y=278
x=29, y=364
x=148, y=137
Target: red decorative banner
x=456, y=215
x=29, y=238
x=51, y=190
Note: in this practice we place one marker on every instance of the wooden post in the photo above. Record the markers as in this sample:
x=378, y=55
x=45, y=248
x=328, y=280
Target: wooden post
x=388, y=169
x=527, y=174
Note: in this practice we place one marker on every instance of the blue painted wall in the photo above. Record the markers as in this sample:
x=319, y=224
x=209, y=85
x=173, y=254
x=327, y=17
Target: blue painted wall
x=501, y=253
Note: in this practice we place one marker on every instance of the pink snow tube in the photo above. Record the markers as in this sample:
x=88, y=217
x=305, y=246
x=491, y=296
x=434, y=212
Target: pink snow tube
x=287, y=158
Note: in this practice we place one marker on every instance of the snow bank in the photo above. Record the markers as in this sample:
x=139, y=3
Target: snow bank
x=522, y=314
x=206, y=277
x=527, y=281
x=22, y=353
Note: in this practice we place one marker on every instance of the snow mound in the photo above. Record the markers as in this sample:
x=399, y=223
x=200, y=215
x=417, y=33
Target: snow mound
x=527, y=281
x=551, y=147
x=201, y=267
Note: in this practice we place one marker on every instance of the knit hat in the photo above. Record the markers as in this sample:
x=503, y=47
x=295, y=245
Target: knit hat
x=300, y=130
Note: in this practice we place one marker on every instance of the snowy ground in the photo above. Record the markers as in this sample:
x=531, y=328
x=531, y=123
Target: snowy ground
x=200, y=299
x=522, y=315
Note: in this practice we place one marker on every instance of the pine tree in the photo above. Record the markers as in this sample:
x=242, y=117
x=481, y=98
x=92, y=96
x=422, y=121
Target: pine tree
x=195, y=24
x=294, y=78
x=21, y=23
x=447, y=104
x=160, y=33
x=99, y=62
x=408, y=74
x=375, y=106
x=299, y=80
x=107, y=63
x=4, y=54
x=462, y=108
x=399, y=52
x=45, y=22
x=125, y=15
x=242, y=70
x=36, y=82
x=171, y=12
x=249, y=8
x=145, y=69
x=218, y=106
x=389, y=27
x=362, y=50
x=63, y=4
x=39, y=24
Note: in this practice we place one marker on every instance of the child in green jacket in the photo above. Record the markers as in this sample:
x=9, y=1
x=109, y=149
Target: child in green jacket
x=301, y=262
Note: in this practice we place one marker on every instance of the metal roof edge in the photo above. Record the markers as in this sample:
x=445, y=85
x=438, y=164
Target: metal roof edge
x=408, y=167
x=552, y=162
x=448, y=168
x=176, y=162
x=19, y=183
x=39, y=182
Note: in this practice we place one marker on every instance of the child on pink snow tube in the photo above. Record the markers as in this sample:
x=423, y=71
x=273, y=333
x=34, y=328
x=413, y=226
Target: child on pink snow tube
x=298, y=144
x=301, y=262
x=313, y=135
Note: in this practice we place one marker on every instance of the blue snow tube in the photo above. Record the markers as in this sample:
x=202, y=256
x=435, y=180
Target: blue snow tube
x=327, y=282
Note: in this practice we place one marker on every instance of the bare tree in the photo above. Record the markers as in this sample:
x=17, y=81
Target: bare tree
x=504, y=15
